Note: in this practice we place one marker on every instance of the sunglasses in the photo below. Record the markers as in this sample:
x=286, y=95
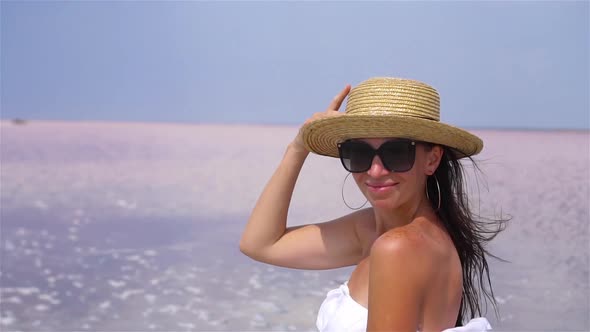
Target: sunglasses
x=396, y=155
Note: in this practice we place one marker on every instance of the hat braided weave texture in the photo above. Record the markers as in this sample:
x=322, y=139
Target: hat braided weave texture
x=408, y=98
x=389, y=108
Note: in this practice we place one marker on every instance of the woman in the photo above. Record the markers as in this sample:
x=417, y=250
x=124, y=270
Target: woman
x=418, y=250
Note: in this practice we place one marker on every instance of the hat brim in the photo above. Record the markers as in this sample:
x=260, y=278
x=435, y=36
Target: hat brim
x=322, y=136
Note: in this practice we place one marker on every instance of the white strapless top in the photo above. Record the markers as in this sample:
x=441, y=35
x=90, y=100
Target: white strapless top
x=340, y=313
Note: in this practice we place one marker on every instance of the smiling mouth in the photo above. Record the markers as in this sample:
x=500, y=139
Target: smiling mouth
x=380, y=186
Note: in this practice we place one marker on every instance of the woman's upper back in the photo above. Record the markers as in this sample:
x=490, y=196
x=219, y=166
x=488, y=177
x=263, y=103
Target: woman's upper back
x=418, y=261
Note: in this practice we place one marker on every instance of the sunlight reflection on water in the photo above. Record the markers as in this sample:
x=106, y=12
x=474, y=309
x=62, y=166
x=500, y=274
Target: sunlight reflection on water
x=135, y=227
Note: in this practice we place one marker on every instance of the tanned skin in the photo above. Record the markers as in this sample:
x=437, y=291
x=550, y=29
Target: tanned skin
x=407, y=270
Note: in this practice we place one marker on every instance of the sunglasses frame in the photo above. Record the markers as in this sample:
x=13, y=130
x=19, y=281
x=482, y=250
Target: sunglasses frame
x=379, y=152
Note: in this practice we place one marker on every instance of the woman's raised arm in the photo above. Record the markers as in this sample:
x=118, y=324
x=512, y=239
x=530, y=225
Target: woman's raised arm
x=266, y=237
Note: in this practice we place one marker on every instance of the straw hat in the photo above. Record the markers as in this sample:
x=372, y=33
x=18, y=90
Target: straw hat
x=389, y=107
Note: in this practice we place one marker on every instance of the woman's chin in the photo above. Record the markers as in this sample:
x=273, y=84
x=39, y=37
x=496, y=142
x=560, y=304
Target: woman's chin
x=381, y=203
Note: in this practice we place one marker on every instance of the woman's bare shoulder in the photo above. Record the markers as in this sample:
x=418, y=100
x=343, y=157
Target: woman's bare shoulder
x=404, y=245
x=398, y=279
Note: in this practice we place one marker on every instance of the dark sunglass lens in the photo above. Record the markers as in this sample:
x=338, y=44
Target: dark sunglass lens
x=398, y=156
x=356, y=156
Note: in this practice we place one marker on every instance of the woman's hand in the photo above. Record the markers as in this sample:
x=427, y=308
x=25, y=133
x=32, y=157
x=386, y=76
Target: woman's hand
x=332, y=110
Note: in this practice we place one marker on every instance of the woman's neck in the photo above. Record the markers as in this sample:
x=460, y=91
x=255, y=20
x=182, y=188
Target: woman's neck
x=387, y=219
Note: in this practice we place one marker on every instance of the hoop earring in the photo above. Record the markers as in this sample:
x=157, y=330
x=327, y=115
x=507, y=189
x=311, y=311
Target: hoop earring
x=344, y=200
x=437, y=189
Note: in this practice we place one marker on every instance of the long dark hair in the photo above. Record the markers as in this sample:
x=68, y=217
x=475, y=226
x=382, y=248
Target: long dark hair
x=469, y=232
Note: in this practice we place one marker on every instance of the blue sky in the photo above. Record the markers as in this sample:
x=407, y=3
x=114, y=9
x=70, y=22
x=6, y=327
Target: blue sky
x=495, y=64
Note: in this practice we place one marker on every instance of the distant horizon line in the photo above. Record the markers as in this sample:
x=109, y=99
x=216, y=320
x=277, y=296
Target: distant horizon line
x=22, y=121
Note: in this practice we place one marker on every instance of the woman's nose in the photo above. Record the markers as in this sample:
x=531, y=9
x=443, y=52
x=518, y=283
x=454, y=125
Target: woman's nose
x=377, y=169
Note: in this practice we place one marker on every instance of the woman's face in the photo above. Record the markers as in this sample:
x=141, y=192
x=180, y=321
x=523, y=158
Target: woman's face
x=391, y=190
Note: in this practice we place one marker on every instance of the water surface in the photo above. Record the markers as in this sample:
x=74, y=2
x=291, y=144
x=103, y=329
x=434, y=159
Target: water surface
x=134, y=227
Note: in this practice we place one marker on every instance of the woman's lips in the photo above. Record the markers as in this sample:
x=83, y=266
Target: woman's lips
x=380, y=187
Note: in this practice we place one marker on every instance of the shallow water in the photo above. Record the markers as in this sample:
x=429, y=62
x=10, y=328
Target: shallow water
x=135, y=227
